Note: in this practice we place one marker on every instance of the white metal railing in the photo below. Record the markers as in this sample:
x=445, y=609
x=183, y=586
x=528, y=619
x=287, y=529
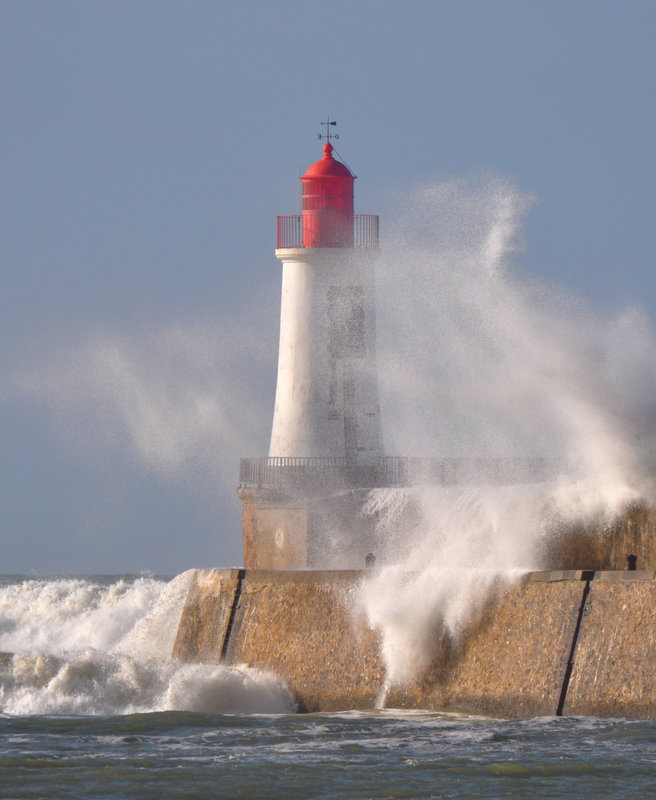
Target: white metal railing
x=365, y=230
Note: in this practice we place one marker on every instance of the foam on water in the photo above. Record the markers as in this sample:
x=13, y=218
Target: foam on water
x=85, y=646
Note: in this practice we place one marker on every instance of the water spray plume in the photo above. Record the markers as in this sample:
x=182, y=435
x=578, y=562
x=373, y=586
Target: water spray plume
x=477, y=360
x=182, y=400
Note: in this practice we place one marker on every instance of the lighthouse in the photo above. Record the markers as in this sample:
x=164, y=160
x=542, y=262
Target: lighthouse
x=305, y=505
x=302, y=503
x=327, y=391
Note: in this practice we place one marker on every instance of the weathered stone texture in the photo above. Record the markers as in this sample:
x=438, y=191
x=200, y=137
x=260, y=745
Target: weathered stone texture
x=603, y=544
x=512, y=662
x=302, y=626
x=297, y=530
x=275, y=532
x=615, y=658
x=204, y=621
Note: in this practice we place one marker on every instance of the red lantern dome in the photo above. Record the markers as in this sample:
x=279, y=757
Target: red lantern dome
x=328, y=203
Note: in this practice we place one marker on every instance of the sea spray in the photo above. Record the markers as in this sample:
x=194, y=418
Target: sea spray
x=183, y=400
x=56, y=615
x=102, y=647
x=478, y=360
x=460, y=542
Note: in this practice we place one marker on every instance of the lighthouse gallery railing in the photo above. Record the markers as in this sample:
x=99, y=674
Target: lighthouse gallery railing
x=365, y=230
x=330, y=473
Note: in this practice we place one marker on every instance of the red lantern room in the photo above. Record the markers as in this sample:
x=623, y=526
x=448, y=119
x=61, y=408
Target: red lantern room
x=328, y=203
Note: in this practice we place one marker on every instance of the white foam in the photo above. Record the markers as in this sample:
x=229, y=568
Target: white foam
x=64, y=614
x=98, y=683
x=78, y=646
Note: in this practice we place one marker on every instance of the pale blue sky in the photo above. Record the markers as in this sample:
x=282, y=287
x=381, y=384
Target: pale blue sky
x=147, y=148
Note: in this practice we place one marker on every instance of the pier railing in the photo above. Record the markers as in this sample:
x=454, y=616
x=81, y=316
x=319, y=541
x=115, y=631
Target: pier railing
x=365, y=230
x=393, y=471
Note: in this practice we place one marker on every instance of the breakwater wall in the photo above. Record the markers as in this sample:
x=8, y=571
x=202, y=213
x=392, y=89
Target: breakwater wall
x=559, y=642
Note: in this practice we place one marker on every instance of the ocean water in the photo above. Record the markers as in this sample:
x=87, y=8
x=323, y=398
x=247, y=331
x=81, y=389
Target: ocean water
x=92, y=706
x=383, y=755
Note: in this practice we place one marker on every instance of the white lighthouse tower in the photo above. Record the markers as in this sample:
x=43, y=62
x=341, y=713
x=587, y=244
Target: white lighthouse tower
x=327, y=390
x=302, y=502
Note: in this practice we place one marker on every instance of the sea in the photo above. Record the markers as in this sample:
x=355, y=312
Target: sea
x=93, y=706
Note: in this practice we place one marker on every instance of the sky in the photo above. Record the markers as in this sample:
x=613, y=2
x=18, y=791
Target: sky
x=147, y=148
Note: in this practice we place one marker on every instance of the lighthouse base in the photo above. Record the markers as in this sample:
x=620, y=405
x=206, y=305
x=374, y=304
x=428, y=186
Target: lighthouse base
x=285, y=530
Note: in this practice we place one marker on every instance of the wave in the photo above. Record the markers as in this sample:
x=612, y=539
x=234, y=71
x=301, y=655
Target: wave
x=102, y=647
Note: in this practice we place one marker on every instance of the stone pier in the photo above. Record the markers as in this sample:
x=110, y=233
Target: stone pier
x=557, y=642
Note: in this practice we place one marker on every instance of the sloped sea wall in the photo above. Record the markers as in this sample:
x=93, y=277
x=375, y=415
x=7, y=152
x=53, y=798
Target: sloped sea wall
x=560, y=642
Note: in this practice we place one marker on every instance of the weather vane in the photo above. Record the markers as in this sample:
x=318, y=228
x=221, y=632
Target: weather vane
x=328, y=135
